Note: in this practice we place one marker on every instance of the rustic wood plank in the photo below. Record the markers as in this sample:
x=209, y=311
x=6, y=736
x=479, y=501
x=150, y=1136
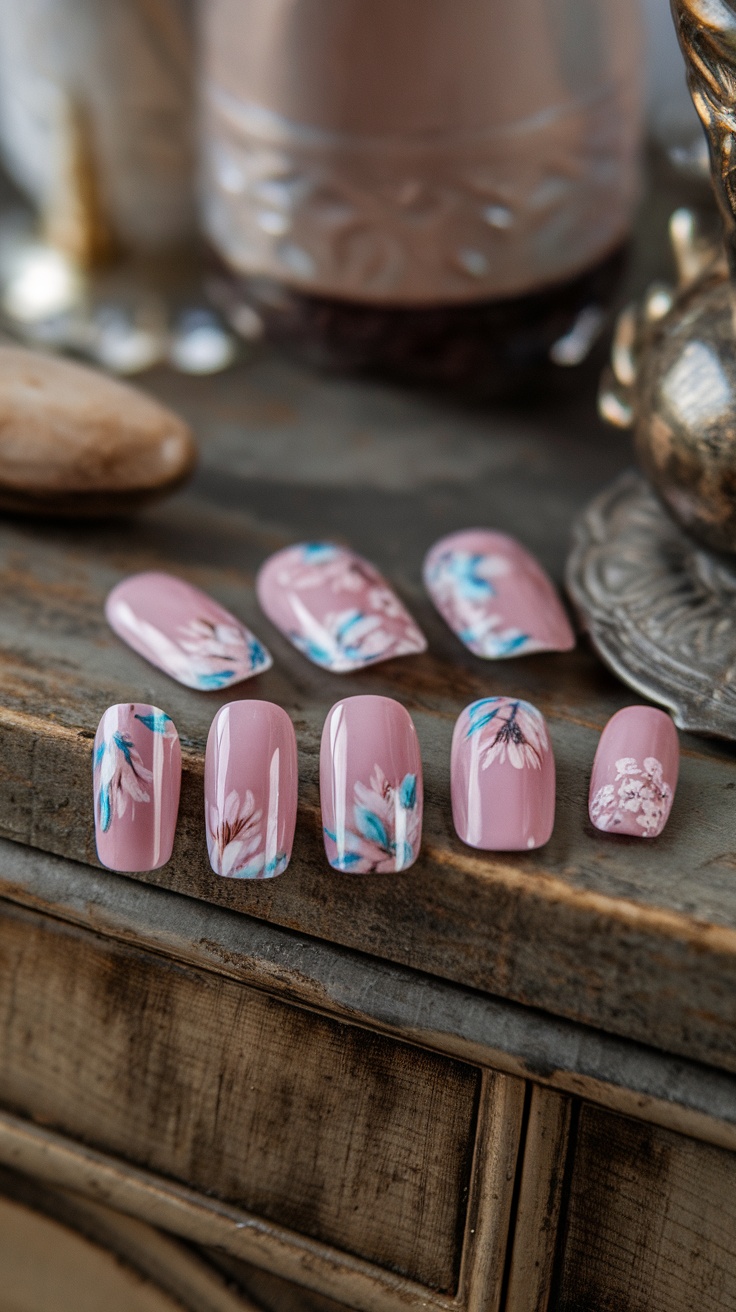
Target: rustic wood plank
x=651, y=1222
x=207, y=1222
x=489, y=1213
x=351, y=1138
x=638, y=940
x=540, y=1201
x=473, y=1027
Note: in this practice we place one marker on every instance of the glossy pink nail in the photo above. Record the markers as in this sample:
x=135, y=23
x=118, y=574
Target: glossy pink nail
x=184, y=632
x=495, y=596
x=250, y=788
x=635, y=773
x=335, y=607
x=370, y=782
x=502, y=776
x=136, y=783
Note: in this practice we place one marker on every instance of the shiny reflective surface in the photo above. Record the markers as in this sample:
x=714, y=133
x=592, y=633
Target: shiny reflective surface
x=251, y=786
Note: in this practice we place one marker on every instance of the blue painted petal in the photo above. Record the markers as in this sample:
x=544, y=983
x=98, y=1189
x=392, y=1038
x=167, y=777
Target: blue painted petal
x=348, y=624
x=476, y=725
x=370, y=826
x=313, y=551
x=256, y=654
x=123, y=745
x=513, y=644
x=100, y=753
x=217, y=680
x=156, y=723
x=347, y=861
x=105, y=808
x=408, y=792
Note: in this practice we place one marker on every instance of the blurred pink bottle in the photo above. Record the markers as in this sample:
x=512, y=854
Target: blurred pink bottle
x=502, y=776
x=371, y=786
x=251, y=788
x=137, y=779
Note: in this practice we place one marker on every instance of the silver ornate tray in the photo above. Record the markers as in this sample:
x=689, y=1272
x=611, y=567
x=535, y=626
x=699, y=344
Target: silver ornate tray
x=659, y=609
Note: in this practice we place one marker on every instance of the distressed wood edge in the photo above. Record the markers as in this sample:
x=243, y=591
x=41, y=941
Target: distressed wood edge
x=620, y=1074
x=542, y=885
x=206, y=1221
x=489, y=1212
x=540, y=1202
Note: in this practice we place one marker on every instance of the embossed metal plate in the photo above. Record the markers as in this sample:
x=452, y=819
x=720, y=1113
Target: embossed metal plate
x=660, y=610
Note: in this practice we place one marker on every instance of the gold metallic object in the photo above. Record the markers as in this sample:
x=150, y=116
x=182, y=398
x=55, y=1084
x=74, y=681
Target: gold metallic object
x=673, y=367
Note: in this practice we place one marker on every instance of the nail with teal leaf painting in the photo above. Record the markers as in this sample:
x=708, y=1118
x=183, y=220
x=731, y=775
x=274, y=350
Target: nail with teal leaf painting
x=136, y=784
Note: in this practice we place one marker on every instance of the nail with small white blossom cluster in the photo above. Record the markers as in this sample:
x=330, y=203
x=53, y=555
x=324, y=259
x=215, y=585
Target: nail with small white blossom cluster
x=635, y=770
x=502, y=776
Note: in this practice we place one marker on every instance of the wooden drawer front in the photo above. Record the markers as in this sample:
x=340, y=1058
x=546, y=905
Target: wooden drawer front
x=651, y=1222
x=346, y=1136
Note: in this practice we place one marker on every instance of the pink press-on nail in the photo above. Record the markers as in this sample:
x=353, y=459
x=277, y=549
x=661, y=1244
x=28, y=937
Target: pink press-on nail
x=184, y=632
x=250, y=786
x=335, y=607
x=136, y=782
x=502, y=776
x=370, y=780
x=635, y=773
x=495, y=596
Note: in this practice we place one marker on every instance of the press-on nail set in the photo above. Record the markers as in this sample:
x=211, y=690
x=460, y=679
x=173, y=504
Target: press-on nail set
x=336, y=609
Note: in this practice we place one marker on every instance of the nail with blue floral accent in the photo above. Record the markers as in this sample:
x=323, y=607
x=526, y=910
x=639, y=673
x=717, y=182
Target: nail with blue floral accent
x=184, y=632
x=502, y=775
x=335, y=607
x=136, y=783
x=371, y=786
x=250, y=786
x=495, y=596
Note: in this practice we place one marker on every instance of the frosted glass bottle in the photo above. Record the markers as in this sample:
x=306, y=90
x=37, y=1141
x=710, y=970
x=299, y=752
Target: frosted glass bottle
x=436, y=188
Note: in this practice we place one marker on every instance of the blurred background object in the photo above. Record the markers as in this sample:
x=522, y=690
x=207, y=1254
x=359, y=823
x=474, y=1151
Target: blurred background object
x=97, y=122
x=672, y=123
x=384, y=178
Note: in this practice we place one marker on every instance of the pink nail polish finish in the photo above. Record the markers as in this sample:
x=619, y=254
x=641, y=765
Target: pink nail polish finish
x=335, y=607
x=502, y=776
x=635, y=773
x=136, y=782
x=370, y=786
x=184, y=632
x=495, y=596
x=250, y=788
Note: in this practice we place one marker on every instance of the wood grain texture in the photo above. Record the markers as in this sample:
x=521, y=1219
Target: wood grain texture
x=205, y=1221
x=640, y=940
x=489, y=1212
x=535, y=1236
x=471, y=1026
x=651, y=1224
x=355, y=1140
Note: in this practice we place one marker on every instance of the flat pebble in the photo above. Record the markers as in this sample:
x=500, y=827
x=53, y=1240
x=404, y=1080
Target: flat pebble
x=75, y=442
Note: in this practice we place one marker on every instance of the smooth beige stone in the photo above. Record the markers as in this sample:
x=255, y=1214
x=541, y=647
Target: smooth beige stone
x=76, y=442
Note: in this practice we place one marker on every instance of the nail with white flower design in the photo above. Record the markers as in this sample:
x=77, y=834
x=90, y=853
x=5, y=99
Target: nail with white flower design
x=495, y=596
x=250, y=786
x=502, y=776
x=635, y=770
x=371, y=786
x=136, y=783
x=335, y=607
x=184, y=632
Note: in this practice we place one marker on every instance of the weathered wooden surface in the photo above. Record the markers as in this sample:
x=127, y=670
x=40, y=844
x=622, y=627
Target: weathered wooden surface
x=535, y=1234
x=353, y=1139
x=471, y=1026
x=639, y=939
x=651, y=1224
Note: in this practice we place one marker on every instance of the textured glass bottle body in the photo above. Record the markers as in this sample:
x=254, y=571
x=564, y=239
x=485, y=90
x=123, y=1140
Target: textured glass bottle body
x=402, y=156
